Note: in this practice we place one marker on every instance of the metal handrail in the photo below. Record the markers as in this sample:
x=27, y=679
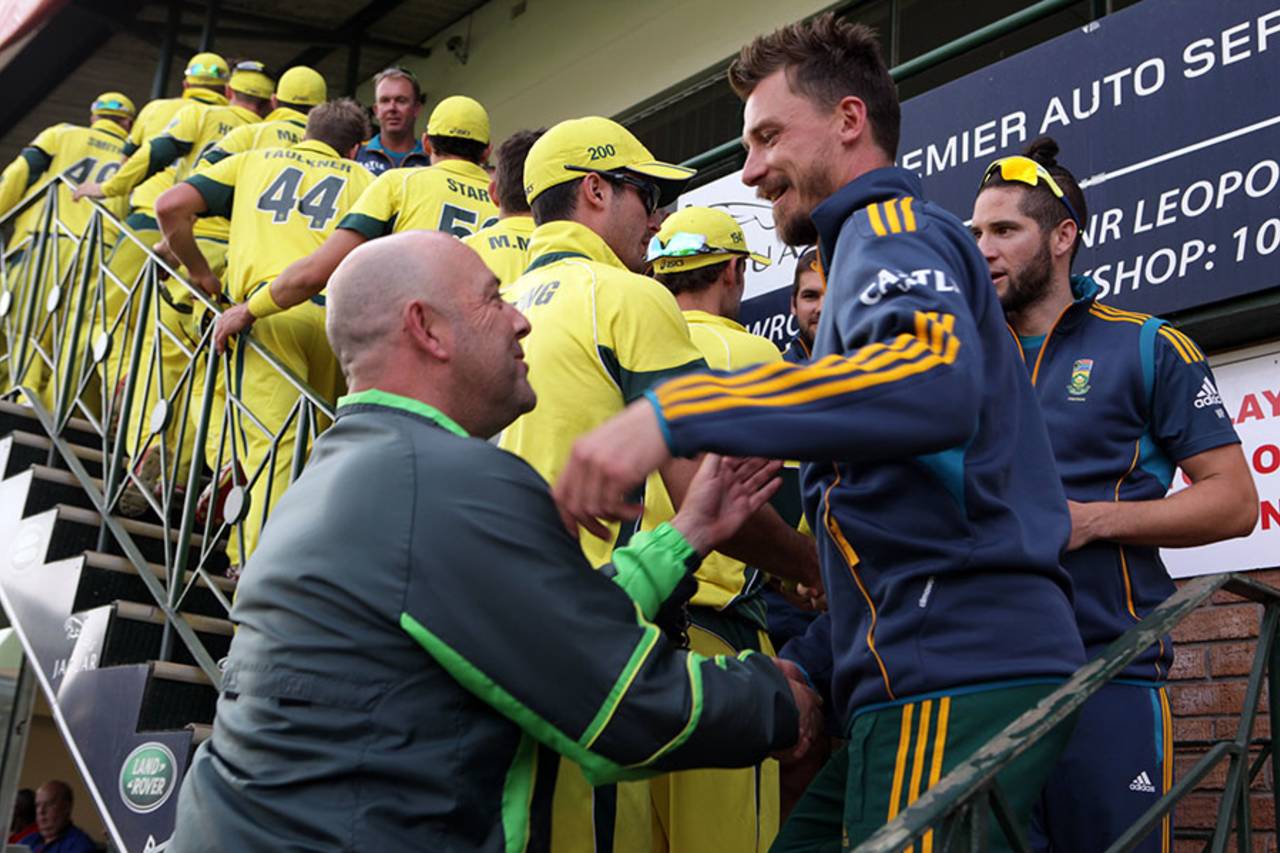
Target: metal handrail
x=76, y=330
x=958, y=804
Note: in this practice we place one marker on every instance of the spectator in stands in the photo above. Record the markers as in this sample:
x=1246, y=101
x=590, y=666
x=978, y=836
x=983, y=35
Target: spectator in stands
x=807, y=291
x=378, y=693
x=1127, y=399
x=55, y=833
x=24, y=816
x=397, y=101
x=504, y=245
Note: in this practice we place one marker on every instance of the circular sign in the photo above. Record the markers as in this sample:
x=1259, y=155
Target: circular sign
x=236, y=506
x=6, y=302
x=55, y=296
x=101, y=347
x=159, y=416
x=147, y=777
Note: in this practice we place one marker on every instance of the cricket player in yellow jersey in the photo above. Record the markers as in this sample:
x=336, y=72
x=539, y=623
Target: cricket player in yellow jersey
x=283, y=203
x=298, y=90
x=193, y=130
x=80, y=154
x=452, y=194
x=602, y=335
x=504, y=245
x=701, y=256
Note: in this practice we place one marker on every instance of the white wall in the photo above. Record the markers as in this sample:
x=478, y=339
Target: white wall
x=566, y=58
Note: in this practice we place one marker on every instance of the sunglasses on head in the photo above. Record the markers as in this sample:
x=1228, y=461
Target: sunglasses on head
x=199, y=69
x=250, y=65
x=684, y=244
x=112, y=104
x=1027, y=171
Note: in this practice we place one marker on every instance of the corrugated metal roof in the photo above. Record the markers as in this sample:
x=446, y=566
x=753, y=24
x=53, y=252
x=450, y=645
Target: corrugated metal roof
x=276, y=32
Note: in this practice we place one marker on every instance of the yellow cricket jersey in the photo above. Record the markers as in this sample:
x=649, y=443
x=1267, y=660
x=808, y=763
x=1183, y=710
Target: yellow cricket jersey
x=193, y=129
x=601, y=337
x=282, y=202
x=282, y=128
x=504, y=247
x=80, y=153
x=156, y=115
x=452, y=195
x=725, y=345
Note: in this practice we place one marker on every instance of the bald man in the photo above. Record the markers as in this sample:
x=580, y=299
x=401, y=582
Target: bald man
x=55, y=831
x=418, y=632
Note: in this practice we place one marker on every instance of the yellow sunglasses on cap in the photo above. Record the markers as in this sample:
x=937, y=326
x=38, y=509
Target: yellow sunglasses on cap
x=1029, y=172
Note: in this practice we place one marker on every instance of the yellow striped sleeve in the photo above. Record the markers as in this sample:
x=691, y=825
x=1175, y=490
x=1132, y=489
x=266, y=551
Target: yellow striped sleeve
x=932, y=345
x=1190, y=345
x=877, y=224
x=1169, y=335
x=891, y=213
x=908, y=215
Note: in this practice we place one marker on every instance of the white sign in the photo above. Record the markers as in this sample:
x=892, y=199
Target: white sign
x=1250, y=389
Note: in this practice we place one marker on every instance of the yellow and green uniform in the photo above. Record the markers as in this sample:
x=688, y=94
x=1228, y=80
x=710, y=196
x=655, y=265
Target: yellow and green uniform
x=601, y=336
x=283, y=127
x=80, y=154
x=283, y=204
x=504, y=248
x=452, y=195
x=717, y=809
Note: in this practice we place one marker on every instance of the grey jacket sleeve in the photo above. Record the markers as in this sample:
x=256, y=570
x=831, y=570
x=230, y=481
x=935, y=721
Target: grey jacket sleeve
x=501, y=596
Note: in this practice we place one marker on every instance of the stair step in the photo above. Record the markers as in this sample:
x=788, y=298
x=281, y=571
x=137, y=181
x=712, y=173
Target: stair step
x=15, y=416
x=53, y=486
x=134, y=635
x=109, y=577
x=176, y=696
x=79, y=530
x=32, y=449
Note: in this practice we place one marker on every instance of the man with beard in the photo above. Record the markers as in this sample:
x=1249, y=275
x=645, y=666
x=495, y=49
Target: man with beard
x=807, y=292
x=922, y=446
x=1127, y=398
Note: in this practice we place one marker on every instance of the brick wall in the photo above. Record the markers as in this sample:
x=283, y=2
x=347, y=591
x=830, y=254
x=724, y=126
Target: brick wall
x=1214, y=651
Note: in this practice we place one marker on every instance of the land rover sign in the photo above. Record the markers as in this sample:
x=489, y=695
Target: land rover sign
x=147, y=777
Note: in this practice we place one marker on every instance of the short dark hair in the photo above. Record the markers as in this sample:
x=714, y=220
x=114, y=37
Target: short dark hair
x=305, y=109
x=254, y=103
x=1038, y=202
x=692, y=281
x=555, y=203
x=826, y=59
x=339, y=124
x=456, y=146
x=805, y=263
x=509, y=176
x=24, y=809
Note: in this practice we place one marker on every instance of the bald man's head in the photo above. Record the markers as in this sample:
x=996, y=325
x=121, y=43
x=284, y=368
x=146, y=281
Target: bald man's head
x=420, y=304
x=53, y=809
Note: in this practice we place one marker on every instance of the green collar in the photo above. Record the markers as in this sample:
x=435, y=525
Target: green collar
x=375, y=397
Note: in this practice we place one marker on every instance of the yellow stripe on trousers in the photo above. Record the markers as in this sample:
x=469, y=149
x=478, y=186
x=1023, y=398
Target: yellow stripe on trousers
x=915, y=750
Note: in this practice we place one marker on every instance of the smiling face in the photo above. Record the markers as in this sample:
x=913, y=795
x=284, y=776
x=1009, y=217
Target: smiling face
x=806, y=304
x=793, y=148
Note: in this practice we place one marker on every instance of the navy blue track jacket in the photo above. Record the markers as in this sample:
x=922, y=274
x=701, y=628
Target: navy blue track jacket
x=928, y=476
x=1126, y=398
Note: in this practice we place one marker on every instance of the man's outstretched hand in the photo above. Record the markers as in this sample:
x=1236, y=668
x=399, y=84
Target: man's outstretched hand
x=89, y=189
x=810, y=706
x=232, y=322
x=608, y=464
x=722, y=495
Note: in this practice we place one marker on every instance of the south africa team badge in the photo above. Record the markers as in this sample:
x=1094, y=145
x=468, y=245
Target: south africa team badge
x=1080, y=372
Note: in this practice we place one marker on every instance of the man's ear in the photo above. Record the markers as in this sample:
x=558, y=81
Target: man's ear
x=851, y=114
x=592, y=191
x=427, y=330
x=493, y=190
x=1063, y=239
x=426, y=144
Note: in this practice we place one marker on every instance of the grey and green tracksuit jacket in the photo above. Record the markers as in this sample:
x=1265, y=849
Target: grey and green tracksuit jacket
x=418, y=635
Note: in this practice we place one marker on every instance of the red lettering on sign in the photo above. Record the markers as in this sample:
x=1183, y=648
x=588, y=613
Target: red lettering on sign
x=1250, y=409
x=1266, y=458
x=1270, y=514
x=1273, y=397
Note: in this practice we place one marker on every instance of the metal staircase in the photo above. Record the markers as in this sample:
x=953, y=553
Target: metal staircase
x=122, y=620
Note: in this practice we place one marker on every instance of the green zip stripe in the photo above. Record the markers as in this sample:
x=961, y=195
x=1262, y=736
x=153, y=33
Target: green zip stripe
x=622, y=685
x=377, y=397
x=596, y=768
x=693, y=664
x=517, y=795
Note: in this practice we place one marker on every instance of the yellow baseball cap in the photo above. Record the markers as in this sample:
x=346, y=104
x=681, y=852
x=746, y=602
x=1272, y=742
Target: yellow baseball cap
x=206, y=68
x=596, y=144
x=250, y=78
x=459, y=116
x=302, y=85
x=113, y=104
x=698, y=237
